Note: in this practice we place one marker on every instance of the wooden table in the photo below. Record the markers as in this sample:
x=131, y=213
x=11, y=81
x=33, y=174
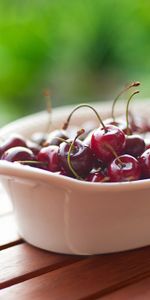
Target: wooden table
x=29, y=273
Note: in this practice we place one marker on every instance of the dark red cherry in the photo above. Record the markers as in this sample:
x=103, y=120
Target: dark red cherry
x=81, y=157
x=107, y=141
x=144, y=161
x=135, y=145
x=53, y=137
x=18, y=154
x=97, y=177
x=12, y=141
x=124, y=168
x=49, y=155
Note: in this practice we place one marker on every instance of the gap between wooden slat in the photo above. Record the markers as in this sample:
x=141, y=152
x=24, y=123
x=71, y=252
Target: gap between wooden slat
x=11, y=244
x=38, y=273
x=114, y=288
x=88, y=279
x=137, y=291
x=22, y=262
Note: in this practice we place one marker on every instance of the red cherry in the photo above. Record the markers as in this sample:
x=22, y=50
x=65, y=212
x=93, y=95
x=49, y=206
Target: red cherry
x=97, y=177
x=144, y=161
x=18, y=154
x=53, y=137
x=135, y=145
x=50, y=156
x=124, y=168
x=105, y=141
x=12, y=141
x=81, y=157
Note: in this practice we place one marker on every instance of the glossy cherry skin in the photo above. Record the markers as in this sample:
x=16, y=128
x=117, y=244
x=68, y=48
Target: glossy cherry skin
x=97, y=177
x=102, y=139
x=53, y=137
x=18, y=154
x=144, y=161
x=12, y=141
x=49, y=155
x=81, y=158
x=128, y=170
x=135, y=145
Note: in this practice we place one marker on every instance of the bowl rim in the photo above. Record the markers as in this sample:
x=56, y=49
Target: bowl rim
x=8, y=169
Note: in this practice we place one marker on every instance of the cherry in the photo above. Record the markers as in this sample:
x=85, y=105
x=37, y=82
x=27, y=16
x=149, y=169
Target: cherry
x=50, y=155
x=124, y=168
x=55, y=137
x=81, y=158
x=105, y=139
x=135, y=145
x=98, y=176
x=18, y=154
x=144, y=161
x=12, y=141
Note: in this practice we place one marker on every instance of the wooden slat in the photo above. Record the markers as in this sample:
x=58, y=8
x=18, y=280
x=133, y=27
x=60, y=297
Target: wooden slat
x=8, y=231
x=138, y=291
x=22, y=262
x=87, y=279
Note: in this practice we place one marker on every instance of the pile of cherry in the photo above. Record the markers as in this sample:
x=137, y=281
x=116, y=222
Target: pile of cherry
x=115, y=151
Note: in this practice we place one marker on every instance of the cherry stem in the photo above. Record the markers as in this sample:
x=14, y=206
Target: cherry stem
x=126, y=88
x=108, y=146
x=32, y=162
x=127, y=111
x=66, y=124
x=47, y=94
x=69, y=155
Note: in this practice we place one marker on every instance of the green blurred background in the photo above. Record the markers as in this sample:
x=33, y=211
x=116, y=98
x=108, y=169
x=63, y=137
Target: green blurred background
x=82, y=50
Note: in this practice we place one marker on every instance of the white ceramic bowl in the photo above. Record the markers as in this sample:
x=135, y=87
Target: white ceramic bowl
x=64, y=215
